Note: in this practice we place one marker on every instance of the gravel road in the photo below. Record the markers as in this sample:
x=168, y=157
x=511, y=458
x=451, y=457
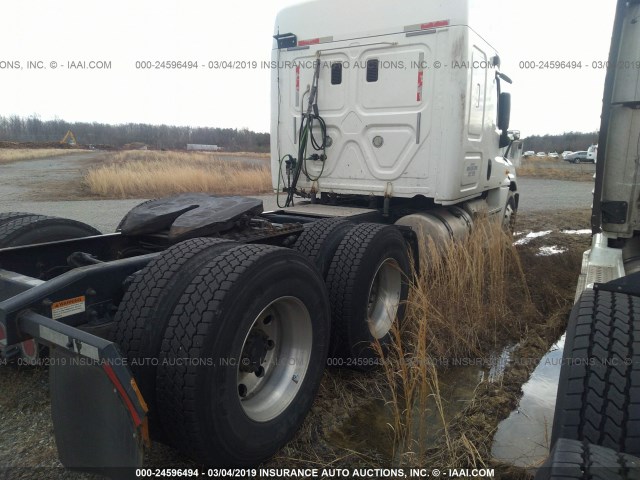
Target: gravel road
x=34, y=185
x=537, y=194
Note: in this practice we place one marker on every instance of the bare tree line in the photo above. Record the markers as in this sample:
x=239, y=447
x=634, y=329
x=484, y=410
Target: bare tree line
x=573, y=141
x=32, y=129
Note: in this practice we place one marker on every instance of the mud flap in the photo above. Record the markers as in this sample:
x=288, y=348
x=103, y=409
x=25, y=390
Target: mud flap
x=93, y=425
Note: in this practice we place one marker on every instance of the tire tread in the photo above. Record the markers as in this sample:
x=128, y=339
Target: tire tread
x=597, y=401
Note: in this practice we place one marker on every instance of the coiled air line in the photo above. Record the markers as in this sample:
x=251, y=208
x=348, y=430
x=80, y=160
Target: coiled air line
x=296, y=166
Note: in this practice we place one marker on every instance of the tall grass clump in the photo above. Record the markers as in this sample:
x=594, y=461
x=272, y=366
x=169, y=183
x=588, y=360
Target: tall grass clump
x=15, y=155
x=154, y=174
x=465, y=297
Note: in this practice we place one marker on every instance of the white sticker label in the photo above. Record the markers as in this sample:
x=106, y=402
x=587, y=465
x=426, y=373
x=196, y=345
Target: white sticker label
x=65, y=308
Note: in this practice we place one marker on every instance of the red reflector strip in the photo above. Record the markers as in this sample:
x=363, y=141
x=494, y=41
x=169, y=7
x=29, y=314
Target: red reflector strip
x=114, y=379
x=438, y=24
x=297, y=78
x=420, y=83
x=313, y=41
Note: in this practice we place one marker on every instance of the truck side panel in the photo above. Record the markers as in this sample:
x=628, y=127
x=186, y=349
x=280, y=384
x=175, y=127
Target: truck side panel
x=621, y=169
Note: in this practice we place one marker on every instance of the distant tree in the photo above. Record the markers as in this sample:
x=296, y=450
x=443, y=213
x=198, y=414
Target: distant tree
x=33, y=129
x=573, y=141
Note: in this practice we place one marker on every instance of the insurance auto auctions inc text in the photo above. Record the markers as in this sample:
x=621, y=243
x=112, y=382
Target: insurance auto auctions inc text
x=373, y=473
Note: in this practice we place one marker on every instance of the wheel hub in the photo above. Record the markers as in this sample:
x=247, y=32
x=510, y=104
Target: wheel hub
x=274, y=359
x=384, y=298
x=255, y=351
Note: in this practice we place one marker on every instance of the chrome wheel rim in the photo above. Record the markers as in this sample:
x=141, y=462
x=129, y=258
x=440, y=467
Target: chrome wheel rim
x=384, y=297
x=274, y=359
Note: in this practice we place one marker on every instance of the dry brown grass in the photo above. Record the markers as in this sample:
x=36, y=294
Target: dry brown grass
x=570, y=172
x=15, y=155
x=545, y=159
x=466, y=299
x=136, y=174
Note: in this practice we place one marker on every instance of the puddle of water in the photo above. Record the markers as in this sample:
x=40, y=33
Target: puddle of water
x=523, y=438
x=530, y=236
x=369, y=427
x=550, y=250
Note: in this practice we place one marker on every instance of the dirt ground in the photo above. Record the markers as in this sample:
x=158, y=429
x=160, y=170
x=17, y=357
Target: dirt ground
x=26, y=434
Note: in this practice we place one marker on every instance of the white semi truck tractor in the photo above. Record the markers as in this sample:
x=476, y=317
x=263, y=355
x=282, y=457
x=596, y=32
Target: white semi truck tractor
x=206, y=322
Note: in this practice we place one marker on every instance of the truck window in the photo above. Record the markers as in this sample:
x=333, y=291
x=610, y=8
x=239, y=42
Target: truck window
x=372, y=70
x=336, y=73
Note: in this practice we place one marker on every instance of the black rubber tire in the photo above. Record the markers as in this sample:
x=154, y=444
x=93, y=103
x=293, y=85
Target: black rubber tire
x=199, y=404
x=599, y=388
x=7, y=217
x=148, y=303
x=349, y=279
x=571, y=459
x=319, y=241
x=32, y=229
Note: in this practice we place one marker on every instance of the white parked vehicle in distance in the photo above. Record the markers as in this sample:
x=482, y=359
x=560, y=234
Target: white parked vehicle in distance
x=592, y=153
x=529, y=153
x=541, y=154
x=554, y=155
x=565, y=153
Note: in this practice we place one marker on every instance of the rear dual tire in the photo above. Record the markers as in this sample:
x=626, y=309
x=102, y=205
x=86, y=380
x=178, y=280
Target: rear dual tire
x=368, y=282
x=366, y=269
x=240, y=345
x=148, y=303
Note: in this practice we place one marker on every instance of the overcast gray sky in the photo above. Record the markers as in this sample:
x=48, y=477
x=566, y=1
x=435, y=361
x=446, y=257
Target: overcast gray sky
x=123, y=32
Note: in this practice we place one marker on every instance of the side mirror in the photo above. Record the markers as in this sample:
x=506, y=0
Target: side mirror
x=504, y=115
x=504, y=112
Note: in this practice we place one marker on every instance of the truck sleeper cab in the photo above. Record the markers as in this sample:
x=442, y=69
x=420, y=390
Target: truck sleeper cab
x=409, y=98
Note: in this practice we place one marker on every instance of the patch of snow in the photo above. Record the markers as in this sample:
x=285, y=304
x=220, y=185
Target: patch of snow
x=585, y=231
x=548, y=251
x=530, y=236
